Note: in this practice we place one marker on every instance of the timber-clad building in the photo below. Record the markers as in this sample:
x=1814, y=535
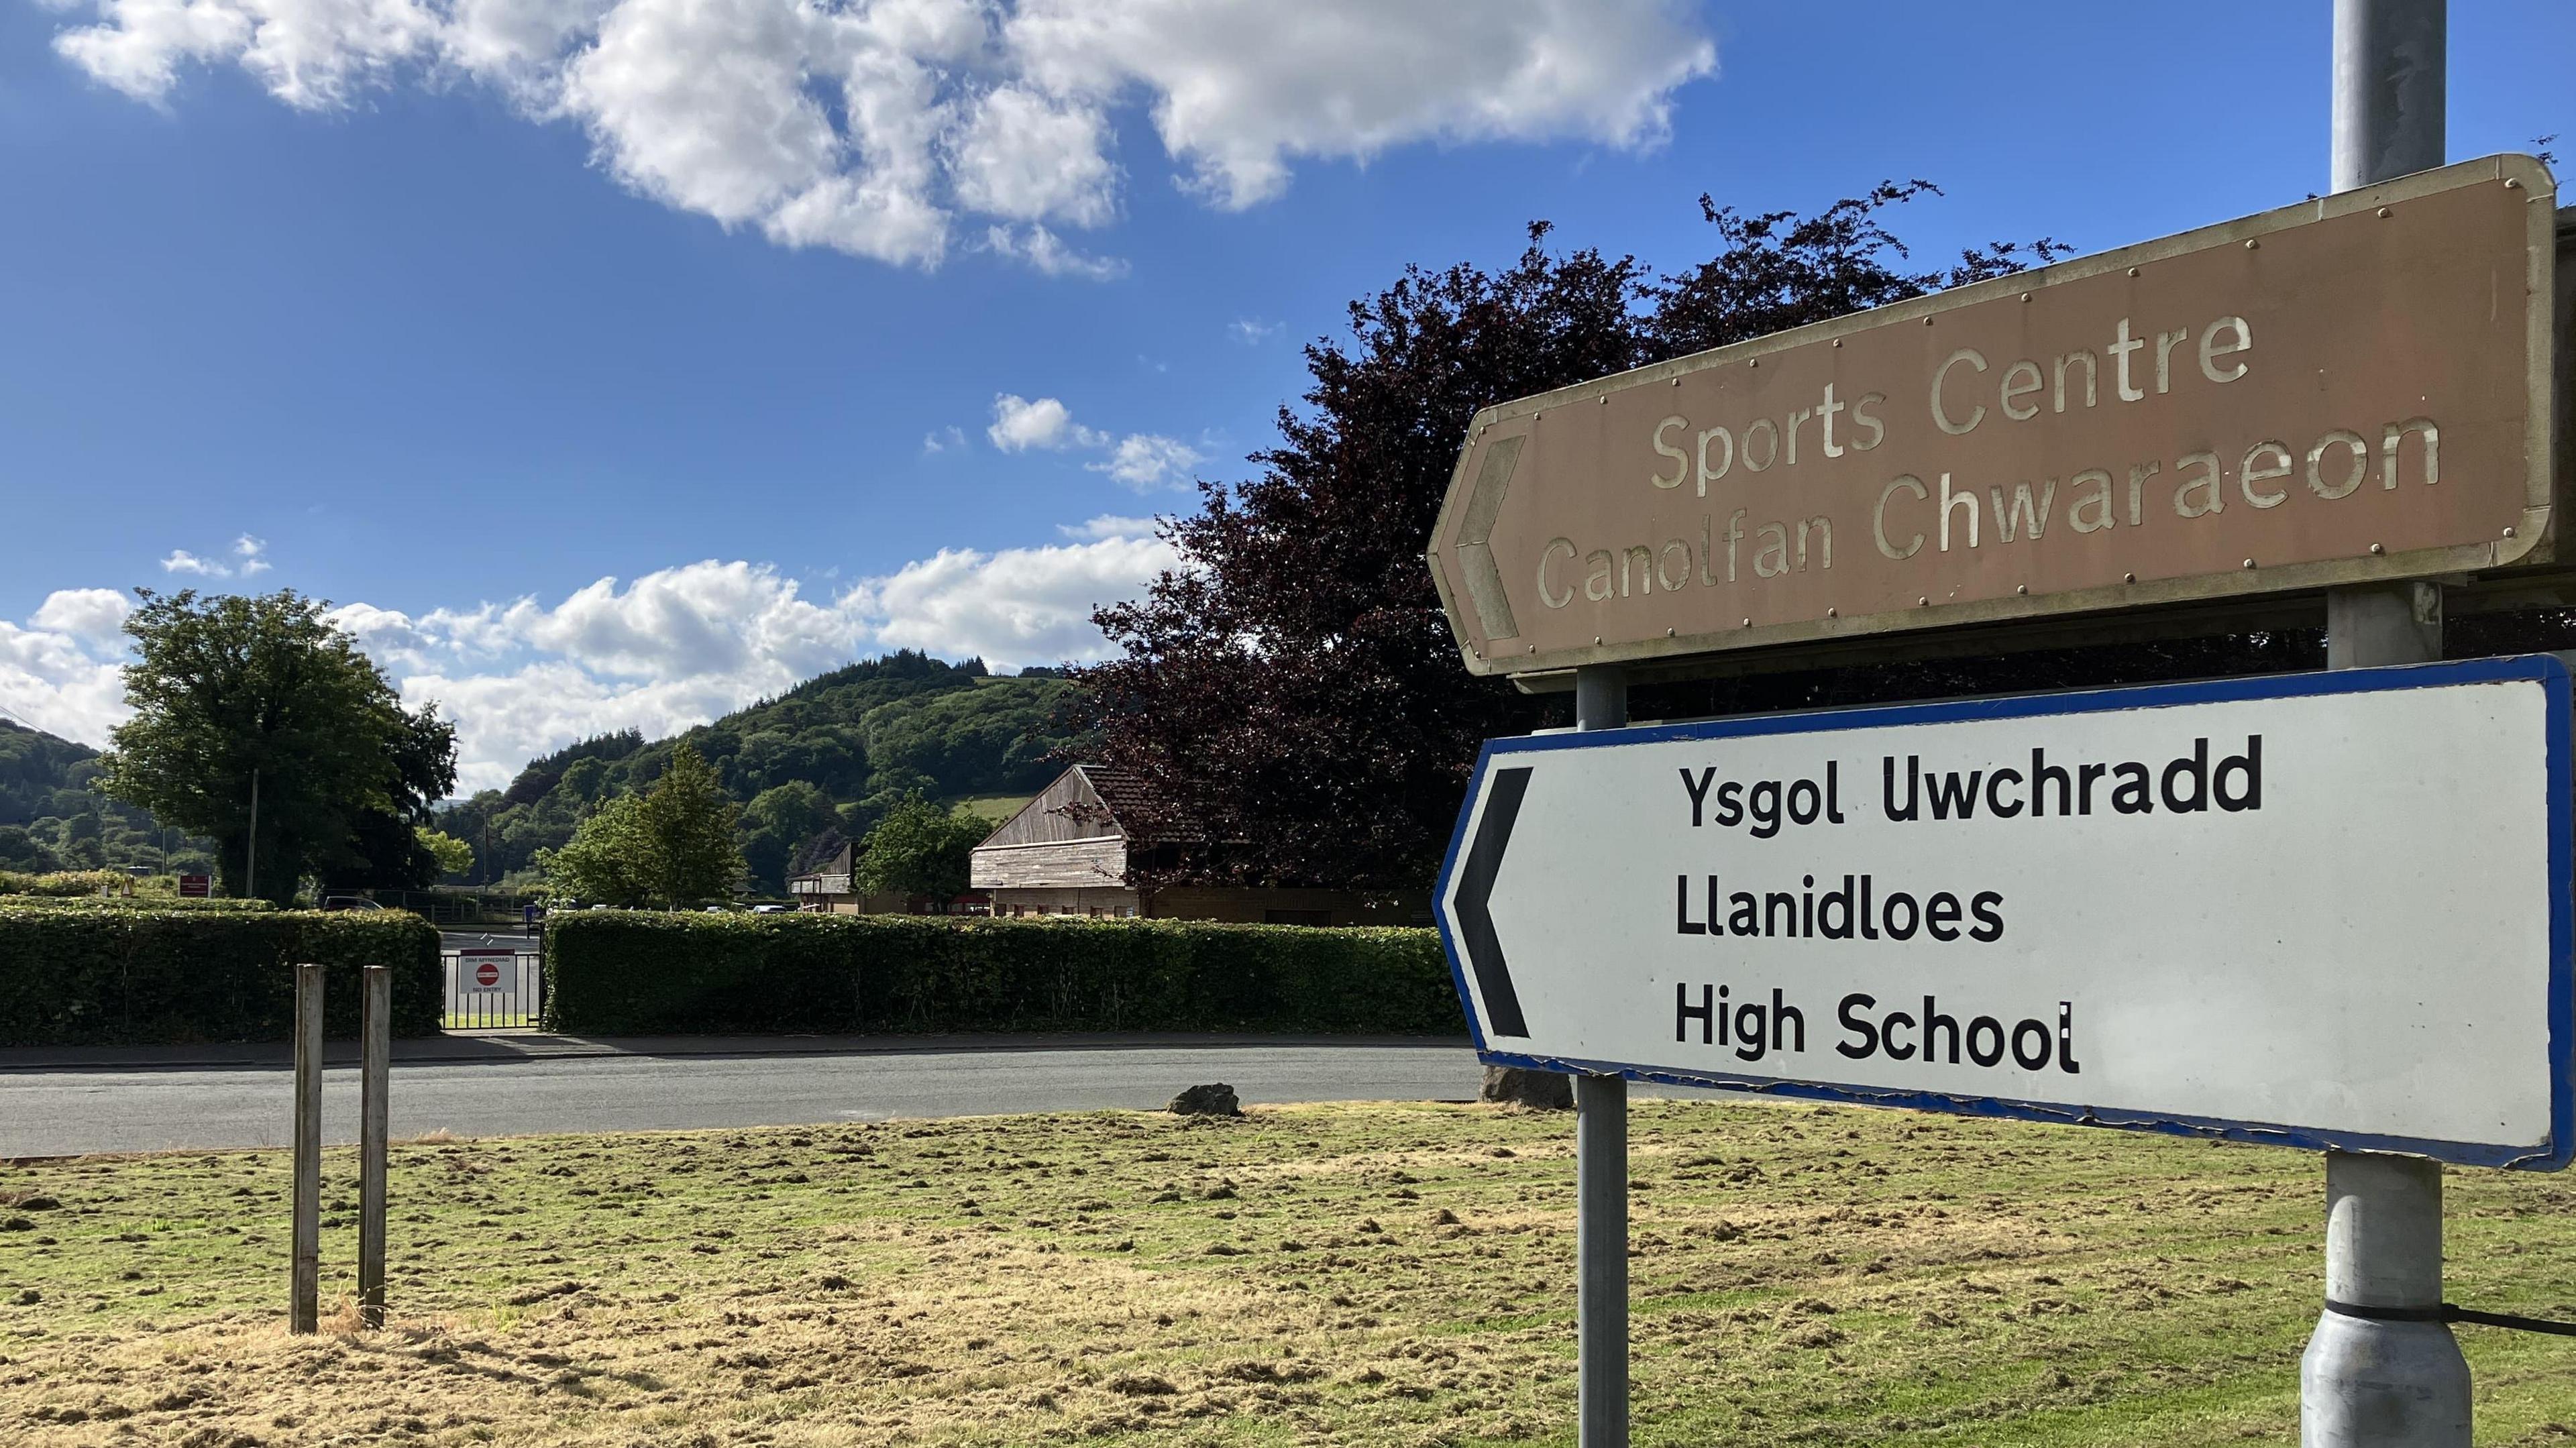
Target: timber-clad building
x=1068, y=851
x=830, y=889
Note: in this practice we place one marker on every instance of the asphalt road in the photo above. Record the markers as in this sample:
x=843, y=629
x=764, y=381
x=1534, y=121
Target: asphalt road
x=60, y=1112
x=486, y=939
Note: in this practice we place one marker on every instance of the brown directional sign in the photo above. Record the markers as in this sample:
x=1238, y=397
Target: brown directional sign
x=2350, y=389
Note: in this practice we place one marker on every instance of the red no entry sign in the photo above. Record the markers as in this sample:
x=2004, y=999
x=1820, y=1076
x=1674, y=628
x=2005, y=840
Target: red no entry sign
x=481, y=970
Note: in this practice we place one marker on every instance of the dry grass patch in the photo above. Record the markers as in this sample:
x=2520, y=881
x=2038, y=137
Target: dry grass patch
x=1331, y=1274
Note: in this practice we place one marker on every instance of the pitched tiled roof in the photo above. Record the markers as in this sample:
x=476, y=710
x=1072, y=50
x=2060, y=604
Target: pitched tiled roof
x=1132, y=803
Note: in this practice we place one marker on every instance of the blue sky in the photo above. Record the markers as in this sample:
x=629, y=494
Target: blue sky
x=599, y=362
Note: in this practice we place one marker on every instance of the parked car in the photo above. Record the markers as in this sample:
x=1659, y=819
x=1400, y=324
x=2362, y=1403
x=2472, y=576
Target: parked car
x=349, y=902
x=768, y=909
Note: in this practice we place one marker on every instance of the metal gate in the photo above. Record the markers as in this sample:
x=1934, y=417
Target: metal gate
x=493, y=987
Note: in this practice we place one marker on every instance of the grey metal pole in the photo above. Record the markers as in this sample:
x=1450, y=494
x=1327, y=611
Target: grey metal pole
x=304, y=1310
x=2395, y=624
x=375, y=1074
x=250, y=851
x=2369, y=1382
x=2390, y=59
x=1601, y=1180
x=2373, y=1382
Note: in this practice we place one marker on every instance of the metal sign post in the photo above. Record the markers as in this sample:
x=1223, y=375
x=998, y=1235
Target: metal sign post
x=2356, y=398
x=2134, y=908
x=2397, y=1381
x=1601, y=1181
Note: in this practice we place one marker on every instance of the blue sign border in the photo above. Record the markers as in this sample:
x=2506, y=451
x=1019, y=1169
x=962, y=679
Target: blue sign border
x=2541, y=669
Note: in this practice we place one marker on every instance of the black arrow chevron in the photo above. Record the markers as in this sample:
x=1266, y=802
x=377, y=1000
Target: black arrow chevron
x=1475, y=894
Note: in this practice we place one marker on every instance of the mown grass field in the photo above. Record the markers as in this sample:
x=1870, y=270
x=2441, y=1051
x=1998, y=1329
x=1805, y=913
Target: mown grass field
x=1337, y=1274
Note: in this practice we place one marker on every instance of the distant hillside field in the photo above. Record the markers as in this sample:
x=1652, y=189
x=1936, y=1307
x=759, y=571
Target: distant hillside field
x=816, y=765
x=52, y=819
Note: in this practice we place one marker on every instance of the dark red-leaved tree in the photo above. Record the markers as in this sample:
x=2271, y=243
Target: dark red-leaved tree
x=1291, y=698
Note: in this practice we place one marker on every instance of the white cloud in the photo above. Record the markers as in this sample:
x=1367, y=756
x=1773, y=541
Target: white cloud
x=872, y=126
x=707, y=618
x=1240, y=90
x=1109, y=525
x=505, y=719
x=1030, y=157
x=183, y=561
x=672, y=648
x=682, y=645
x=723, y=107
x=389, y=636
x=940, y=440
x=1144, y=462
x=93, y=615
x=1249, y=332
x=1019, y=425
x=1013, y=607
x=62, y=672
x=249, y=555
x=1045, y=252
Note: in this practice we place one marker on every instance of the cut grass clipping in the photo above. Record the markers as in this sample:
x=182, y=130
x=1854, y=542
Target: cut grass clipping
x=1329, y=1274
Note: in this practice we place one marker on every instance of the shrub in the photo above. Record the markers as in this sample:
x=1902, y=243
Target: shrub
x=145, y=973
x=635, y=973
x=216, y=903
x=61, y=883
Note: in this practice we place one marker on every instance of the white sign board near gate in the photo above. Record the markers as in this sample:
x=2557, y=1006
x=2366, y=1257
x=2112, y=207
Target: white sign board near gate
x=2326, y=910
x=488, y=971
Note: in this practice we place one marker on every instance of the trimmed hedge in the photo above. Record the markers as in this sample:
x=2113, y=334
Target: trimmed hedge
x=58, y=883
x=638, y=973
x=144, y=975
x=217, y=904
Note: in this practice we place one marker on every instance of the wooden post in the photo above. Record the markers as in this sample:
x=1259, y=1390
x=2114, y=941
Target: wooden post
x=304, y=1310
x=375, y=1073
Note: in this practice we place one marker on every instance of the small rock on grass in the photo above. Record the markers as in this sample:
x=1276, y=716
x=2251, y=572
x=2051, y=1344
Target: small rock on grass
x=1212, y=1100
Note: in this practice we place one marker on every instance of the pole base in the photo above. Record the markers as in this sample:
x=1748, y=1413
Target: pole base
x=2370, y=1384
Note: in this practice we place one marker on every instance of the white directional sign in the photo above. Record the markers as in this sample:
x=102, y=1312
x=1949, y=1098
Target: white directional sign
x=2322, y=910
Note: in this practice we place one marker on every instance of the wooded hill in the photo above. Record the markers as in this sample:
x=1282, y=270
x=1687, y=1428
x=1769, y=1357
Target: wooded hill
x=821, y=762
x=51, y=818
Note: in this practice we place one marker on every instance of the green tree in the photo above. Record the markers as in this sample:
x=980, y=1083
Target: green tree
x=1291, y=689
x=231, y=689
x=608, y=860
x=997, y=739
x=454, y=856
x=673, y=845
x=385, y=849
x=20, y=850
x=583, y=778
x=691, y=821
x=922, y=849
x=778, y=821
